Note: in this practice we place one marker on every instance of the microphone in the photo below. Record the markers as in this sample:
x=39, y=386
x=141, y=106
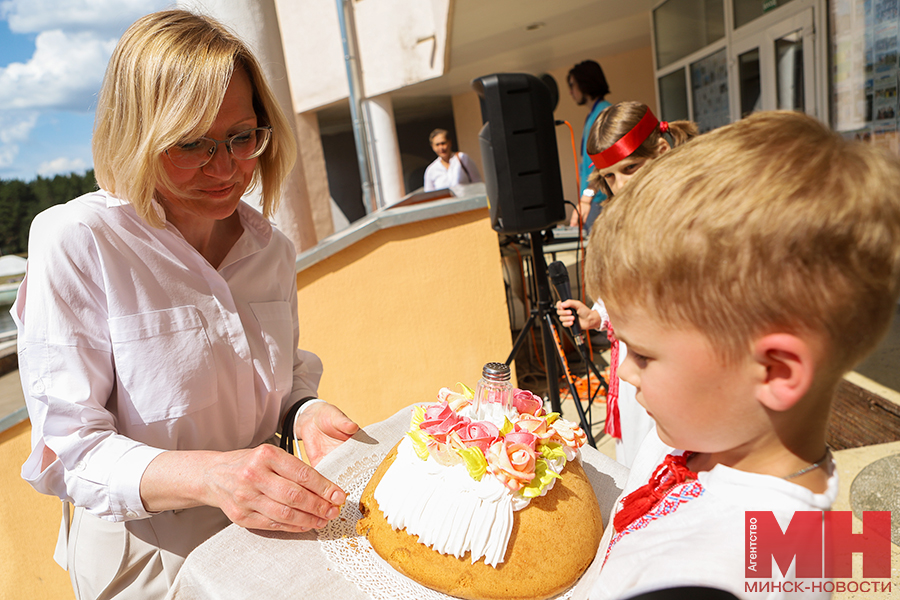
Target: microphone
x=559, y=276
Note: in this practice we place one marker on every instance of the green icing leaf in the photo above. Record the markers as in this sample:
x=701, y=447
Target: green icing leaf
x=420, y=442
x=507, y=426
x=468, y=392
x=551, y=417
x=551, y=451
x=543, y=475
x=418, y=416
x=475, y=462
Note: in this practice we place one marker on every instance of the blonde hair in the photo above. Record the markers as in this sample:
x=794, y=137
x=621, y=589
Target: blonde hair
x=770, y=224
x=164, y=84
x=617, y=120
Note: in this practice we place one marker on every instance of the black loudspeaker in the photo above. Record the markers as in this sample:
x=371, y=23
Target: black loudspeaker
x=519, y=154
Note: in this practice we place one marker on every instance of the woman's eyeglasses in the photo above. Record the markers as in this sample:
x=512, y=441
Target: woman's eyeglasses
x=242, y=146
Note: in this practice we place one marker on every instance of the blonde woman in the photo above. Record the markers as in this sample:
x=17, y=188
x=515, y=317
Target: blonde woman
x=158, y=326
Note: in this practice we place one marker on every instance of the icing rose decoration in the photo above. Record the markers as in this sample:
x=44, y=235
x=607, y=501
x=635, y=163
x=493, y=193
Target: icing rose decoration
x=440, y=420
x=525, y=438
x=455, y=400
x=568, y=433
x=511, y=463
x=444, y=454
x=480, y=434
x=536, y=425
x=527, y=403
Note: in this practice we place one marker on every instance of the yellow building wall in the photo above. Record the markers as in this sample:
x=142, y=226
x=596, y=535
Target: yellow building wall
x=29, y=524
x=404, y=312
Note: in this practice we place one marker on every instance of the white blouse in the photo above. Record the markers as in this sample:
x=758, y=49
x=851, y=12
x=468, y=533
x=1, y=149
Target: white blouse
x=131, y=344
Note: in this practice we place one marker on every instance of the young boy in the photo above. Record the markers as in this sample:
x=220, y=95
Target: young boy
x=747, y=271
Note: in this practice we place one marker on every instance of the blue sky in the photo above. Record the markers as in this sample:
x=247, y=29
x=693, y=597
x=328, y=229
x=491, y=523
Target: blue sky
x=53, y=54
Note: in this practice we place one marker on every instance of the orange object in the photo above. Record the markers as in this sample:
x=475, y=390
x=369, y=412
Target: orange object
x=581, y=386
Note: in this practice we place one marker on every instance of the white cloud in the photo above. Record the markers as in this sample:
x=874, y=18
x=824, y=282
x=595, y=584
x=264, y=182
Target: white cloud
x=109, y=17
x=61, y=166
x=64, y=73
x=14, y=129
x=74, y=40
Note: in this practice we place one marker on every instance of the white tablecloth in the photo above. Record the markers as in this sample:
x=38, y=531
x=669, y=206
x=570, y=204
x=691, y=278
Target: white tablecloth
x=240, y=564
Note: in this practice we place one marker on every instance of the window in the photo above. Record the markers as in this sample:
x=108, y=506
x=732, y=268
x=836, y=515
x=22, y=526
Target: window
x=709, y=91
x=682, y=27
x=748, y=10
x=673, y=97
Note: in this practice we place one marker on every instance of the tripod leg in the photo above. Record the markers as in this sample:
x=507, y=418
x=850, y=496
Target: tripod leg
x=549, y=330
x=521, y=339
x=550, y=363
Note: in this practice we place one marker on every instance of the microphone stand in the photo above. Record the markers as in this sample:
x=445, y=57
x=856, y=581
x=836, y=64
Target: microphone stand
x=544, y=312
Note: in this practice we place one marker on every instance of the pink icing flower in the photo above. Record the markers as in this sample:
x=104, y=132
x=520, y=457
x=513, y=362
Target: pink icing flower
x=527, y=403
x=479, y=433
x=525, y=438
x=535, y=425
x=440, y=420
x=455, y=400
x=511, y=463
x=568, y=433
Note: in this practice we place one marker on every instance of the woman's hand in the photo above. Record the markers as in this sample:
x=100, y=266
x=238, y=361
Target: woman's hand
x=323, y=427
x=258, y=488
x=587, y=318
x=267, y=488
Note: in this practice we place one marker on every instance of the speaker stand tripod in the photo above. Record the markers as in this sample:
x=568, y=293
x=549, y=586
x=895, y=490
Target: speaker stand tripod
x=543, y=312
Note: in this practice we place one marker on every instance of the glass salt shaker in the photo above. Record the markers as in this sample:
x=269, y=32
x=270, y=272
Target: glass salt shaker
x=495, y=386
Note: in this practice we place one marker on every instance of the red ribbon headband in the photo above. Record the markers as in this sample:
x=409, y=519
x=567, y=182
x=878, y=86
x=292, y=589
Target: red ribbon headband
x=628, y=143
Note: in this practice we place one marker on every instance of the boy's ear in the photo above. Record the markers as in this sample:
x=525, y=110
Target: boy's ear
x=789, y=366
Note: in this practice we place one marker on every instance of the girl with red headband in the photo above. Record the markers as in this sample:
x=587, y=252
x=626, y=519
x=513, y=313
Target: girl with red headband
x=627, y=136
x=624, y=138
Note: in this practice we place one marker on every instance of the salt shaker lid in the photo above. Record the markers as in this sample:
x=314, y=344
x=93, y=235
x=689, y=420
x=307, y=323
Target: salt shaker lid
x=496, y=371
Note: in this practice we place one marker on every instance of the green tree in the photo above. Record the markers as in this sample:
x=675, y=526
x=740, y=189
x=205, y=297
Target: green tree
x=20, y=202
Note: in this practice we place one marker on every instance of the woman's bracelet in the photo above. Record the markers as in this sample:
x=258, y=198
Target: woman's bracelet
x=290, y=418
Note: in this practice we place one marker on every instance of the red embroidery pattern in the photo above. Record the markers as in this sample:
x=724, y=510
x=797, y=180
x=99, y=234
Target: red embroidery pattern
x=673, y=471
x=675, y=497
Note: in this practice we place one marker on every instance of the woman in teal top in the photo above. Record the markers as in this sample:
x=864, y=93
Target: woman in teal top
x=587, y=84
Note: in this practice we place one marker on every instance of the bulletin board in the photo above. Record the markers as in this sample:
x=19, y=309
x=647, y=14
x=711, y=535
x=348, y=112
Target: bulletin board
x=865, y=70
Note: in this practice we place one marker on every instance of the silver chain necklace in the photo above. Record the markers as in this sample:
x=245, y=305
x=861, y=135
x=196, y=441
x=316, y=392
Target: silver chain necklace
x=811, y=467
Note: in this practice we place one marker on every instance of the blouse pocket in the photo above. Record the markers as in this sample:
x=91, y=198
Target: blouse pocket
x=164, y=364
x=277, y=326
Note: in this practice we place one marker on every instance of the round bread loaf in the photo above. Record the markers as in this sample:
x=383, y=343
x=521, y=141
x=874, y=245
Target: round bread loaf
x=553, y=541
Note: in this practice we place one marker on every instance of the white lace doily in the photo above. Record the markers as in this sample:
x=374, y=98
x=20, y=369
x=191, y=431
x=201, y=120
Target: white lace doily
x=354, y=556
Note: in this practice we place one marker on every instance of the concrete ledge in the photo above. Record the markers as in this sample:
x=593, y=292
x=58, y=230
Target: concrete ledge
x=385, y=219
x=14, y=419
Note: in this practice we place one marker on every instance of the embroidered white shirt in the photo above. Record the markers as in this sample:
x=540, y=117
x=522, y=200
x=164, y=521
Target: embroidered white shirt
x=695, y=536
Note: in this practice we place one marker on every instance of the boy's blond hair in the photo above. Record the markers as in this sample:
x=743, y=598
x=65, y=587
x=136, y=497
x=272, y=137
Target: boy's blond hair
x=164, y=85
x=770, y=224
